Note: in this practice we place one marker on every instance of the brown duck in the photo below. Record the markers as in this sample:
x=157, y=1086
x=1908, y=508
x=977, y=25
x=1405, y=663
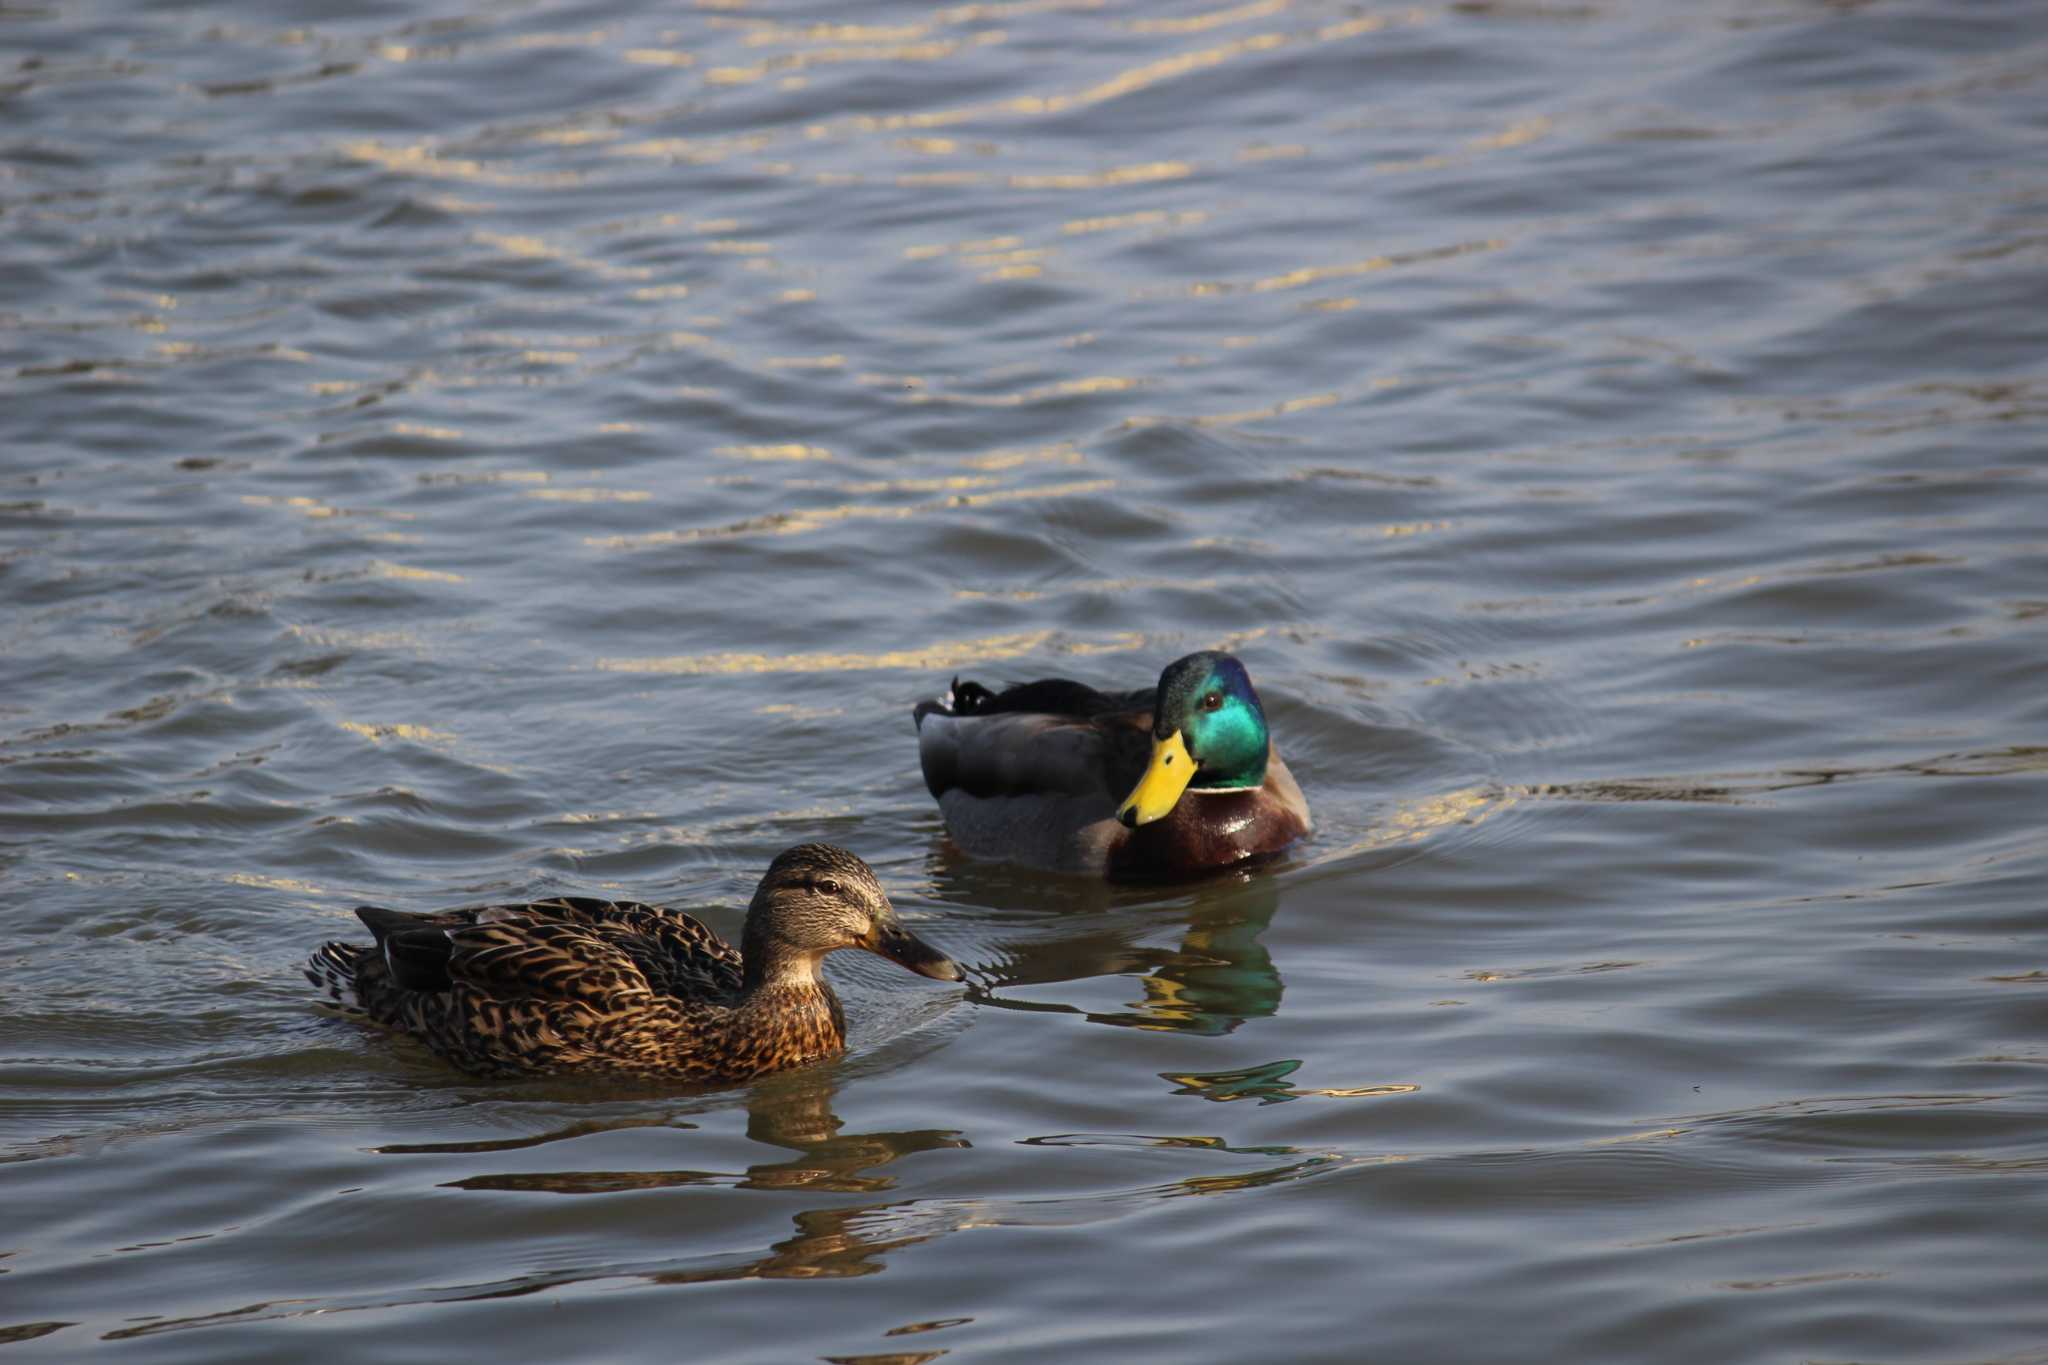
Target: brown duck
x=1157, y=784
x=574, y=985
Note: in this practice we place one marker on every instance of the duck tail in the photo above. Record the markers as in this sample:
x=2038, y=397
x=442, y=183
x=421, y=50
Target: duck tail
x=964, y=697
x=332, y=968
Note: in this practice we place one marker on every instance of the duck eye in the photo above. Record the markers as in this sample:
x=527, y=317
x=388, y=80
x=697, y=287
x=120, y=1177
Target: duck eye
x=1213, y=702
x=828, y=886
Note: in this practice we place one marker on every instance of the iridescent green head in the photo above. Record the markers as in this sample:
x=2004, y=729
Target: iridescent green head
x=1208, y=733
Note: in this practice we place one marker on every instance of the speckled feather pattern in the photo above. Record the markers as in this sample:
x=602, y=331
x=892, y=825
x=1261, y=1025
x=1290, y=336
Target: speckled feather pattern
x=573, y=984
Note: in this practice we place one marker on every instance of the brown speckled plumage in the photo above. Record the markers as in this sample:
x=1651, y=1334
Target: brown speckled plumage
x=588, y=986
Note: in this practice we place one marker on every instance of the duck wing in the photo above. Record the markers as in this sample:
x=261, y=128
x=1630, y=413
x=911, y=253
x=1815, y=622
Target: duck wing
x=1052, y=737
x=678, y=953
x=1047, y=697
x=608, y=955
x=535, y=957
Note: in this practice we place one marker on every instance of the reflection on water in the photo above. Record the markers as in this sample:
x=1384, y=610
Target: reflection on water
x=1214, y=978
x=1297, y=1164
x=29, y=1331
x=829, y=1244
x=566, y=1133
x=1268, y=1084
x=454, y=453
x=836, y=1241
x=1219, y=975
x=793, y=1112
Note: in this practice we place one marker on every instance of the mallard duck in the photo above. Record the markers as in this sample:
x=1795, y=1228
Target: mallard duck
x=577, y=985
x=1162, y=783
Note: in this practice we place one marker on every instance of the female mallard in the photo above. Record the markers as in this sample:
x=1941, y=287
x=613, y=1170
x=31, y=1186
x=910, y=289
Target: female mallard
x=578, y=985
x=1158, y=784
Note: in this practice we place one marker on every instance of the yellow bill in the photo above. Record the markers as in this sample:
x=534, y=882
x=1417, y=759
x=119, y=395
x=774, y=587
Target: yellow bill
x=1166, y=777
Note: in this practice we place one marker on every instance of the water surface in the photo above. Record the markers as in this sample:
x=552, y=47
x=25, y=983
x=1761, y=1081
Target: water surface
x=461, y=453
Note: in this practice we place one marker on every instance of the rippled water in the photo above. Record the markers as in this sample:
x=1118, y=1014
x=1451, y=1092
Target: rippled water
x=465, y=452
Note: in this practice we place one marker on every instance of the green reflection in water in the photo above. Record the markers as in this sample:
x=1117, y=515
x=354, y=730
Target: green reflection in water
x=1214, y=979
x=1268, y=1085
x=1220, y=975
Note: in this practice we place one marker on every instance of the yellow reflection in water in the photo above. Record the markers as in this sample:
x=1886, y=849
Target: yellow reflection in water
x=811, y=519
x=273, y=883
x=1397, y=529
x=1269, y=1084
x=1201, y=23
x=951, y=483
x=695, y=150
x=589, y=494
x=430, y=433
x=658, y=56
x=1106, y=383
x=841, y=54
x=788, y=450
x=1023, y=255
x=1143, y=173
x=1514, y=135
x=1115, y=222
x=1228, y=419
x=768, y=33
x=534, y=248
x=1317, y=274
x=573, y=137
x=602, y=817
x=924, y=658
x=1062, y=452
x=313, y=507
x=487, y=476
x=799, y=713
x=1127, y=82
x=984, y=244
x=377, y=734
x=1653, y=1135
x=1413, y=821
x=384, y=568
x=1295, y=279
x=418, y=160
x=1104, y=586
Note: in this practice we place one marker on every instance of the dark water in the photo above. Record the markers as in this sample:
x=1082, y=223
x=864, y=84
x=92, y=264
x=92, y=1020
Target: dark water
x=465, y=452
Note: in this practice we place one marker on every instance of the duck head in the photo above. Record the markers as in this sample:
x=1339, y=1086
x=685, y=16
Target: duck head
x=816, y=899
x=1208, y=734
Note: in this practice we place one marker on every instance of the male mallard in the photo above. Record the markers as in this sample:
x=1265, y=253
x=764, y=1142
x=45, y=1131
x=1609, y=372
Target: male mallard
x=579, y=985
x=1056, y=774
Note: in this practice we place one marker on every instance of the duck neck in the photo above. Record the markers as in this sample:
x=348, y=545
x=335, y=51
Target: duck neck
x=769, y=963
x=788, y=999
